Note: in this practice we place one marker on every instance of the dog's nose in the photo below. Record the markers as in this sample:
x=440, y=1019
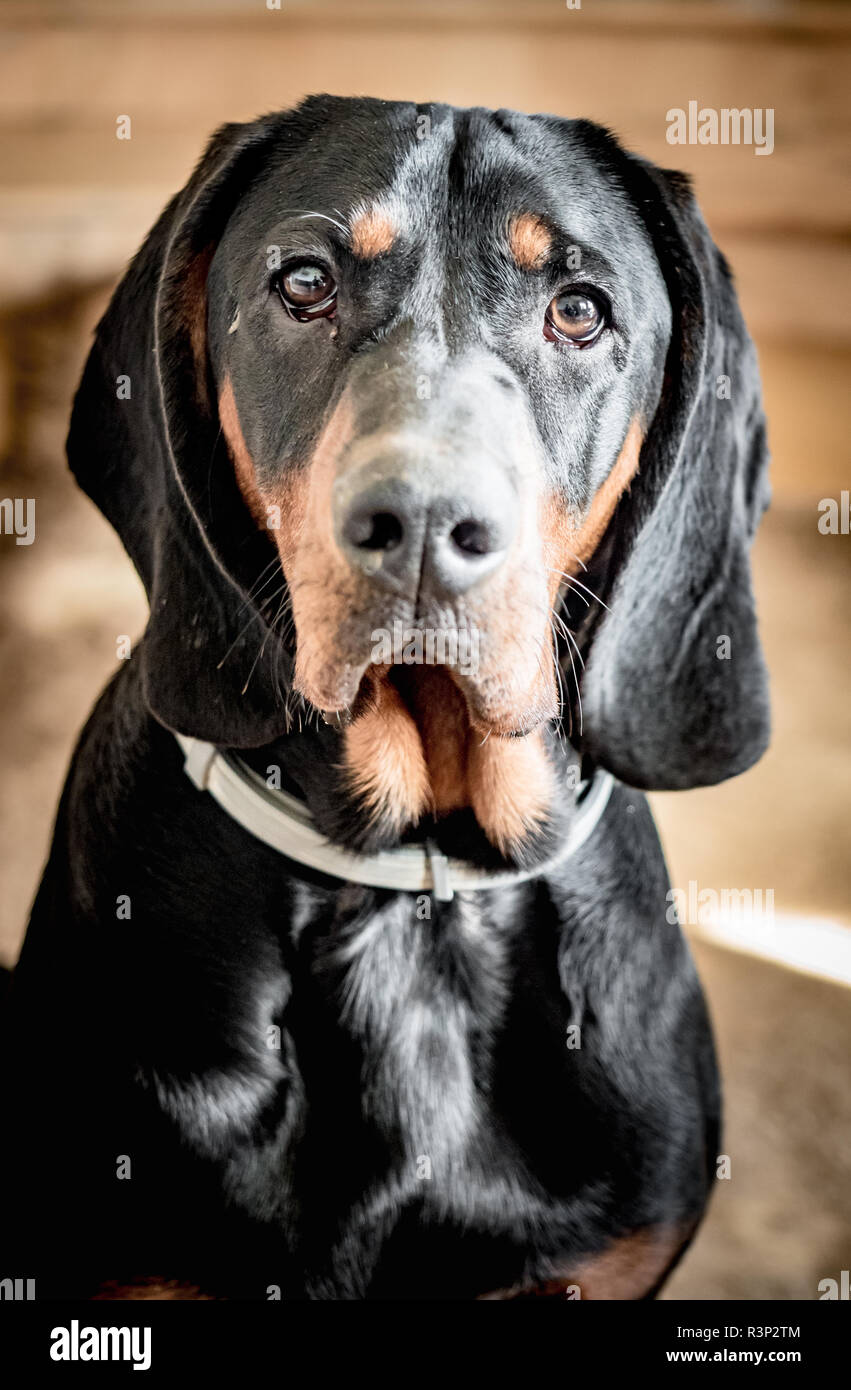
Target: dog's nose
x=405, y=538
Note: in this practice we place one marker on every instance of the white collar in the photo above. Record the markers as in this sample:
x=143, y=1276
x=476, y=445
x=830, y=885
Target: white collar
x=284, y=823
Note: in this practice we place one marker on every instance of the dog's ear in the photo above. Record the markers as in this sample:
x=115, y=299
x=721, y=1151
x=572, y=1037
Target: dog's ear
x=145, y=445
x=675, y=693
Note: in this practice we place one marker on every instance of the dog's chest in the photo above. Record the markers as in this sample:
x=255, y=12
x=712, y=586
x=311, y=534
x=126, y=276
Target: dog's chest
x=421, y=1002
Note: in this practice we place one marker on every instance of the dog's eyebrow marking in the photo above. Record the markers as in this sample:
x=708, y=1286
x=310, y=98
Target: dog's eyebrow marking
x=529, y=240
x=372, y=232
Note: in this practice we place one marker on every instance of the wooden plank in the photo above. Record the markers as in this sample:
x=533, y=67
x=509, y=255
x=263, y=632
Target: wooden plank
x=76, y=201
x=62, y=89
x=784, y=17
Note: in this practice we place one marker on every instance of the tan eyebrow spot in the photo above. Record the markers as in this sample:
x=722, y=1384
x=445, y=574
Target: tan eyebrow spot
x=373, y=232
x=529, y=240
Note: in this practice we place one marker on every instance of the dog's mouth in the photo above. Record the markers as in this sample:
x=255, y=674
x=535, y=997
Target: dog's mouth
x=504, y=671
x=508, y=698
x=438, y=717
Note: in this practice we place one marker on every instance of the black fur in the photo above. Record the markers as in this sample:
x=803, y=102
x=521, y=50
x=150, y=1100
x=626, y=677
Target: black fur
x=400, y=1038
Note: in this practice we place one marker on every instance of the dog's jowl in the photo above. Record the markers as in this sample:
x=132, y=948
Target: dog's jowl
x=350, y=974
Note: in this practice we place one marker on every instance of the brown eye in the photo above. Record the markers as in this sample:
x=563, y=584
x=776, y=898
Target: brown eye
x=308, y=291
x=574, y=316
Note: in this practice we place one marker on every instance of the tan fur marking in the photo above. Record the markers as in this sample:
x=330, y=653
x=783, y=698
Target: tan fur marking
x=568, y=546
x=385, y=761
x=440, y=712
x=149, y=1290
x=511, y=787
x=417, y=749
x=243, y=464
x=322, y=587
x=529, y=240
x=627, y=1269
x=317, y=594
x=630, y=1266
x=372, y=233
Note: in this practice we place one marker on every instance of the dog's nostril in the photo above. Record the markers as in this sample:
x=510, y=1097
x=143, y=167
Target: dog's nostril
x=379, y=531
x=472, y=538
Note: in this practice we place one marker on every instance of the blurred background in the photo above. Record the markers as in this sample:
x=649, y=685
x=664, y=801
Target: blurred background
x=77, y=201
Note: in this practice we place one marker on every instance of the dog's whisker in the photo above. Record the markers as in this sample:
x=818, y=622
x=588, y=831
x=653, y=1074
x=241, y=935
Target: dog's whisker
x=561, y=703
x=573, y=581
x=243, y=630
x=341, y=226
x=576, y=680
x=578, y=561
x=580, y=596
x=255, y=591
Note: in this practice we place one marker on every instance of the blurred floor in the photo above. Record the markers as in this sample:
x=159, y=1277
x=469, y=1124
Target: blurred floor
x=782, y=1222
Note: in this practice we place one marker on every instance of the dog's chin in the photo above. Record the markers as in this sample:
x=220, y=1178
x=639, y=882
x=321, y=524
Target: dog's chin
x=508, y=691
x=416, y=748
x=491, y=711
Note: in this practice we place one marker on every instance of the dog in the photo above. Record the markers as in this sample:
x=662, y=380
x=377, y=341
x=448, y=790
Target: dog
x=350, y=974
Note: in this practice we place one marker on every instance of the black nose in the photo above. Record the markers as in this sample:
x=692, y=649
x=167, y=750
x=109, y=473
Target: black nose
x=406, y=539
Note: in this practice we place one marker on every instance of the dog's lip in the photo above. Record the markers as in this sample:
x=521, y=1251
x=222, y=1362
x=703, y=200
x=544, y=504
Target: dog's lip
x=338, y=718
x=350, y=704
x=341, y=691
x=512, y=723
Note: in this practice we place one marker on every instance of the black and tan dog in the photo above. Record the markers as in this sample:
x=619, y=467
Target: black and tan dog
x=470, y=373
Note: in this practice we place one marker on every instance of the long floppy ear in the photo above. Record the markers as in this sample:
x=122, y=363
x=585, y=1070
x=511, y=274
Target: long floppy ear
x=145, y=444
x=675, y=693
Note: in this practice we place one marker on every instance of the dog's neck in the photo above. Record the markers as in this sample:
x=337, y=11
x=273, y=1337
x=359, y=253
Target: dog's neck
x=284, y=823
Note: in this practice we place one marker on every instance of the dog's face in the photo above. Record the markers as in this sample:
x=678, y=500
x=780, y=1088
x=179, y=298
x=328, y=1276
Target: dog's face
x=436, y=393
x=440, y=347
x=434, y=385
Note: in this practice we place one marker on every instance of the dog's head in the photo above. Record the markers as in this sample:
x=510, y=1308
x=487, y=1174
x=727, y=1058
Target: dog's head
x=444, y=423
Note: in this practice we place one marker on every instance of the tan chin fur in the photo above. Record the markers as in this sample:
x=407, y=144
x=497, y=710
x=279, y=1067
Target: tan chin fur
x=440, y=714
x=511, y=788
x=385, y=761
x=406, y=760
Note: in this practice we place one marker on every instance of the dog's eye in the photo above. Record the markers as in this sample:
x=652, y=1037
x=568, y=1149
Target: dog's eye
x=308, y=291
x=574, y=316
